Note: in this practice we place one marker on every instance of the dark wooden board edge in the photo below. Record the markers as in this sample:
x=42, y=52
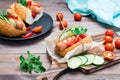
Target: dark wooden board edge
x=97, y=68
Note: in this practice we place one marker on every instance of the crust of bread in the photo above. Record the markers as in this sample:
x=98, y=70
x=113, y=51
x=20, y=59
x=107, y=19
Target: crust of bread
x=20, y=10
x=87, y=39
x=9, y=30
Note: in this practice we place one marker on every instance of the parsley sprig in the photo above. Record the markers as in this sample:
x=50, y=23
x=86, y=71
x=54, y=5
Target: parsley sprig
x=31, y=63
x=3, y=16
x=77, y=30
x=22, y=2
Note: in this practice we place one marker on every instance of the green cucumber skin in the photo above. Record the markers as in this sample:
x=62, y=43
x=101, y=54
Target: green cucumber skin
x=82, y=60
x=69, y=64
x=100, y=63
x=87, y=56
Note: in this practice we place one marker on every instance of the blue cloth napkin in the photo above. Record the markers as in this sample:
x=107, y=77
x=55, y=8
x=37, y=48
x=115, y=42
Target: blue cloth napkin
x=105, y=11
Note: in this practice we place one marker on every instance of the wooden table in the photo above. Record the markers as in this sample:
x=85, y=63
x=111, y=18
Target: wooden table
x=10, y=51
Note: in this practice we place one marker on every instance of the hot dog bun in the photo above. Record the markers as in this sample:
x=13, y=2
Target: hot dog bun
x=87, y=39
x=9, y=29
x=25, y=13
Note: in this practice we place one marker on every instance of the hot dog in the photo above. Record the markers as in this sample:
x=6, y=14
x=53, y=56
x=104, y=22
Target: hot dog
x=28, y=10
x=71, y=39
x=11, y=24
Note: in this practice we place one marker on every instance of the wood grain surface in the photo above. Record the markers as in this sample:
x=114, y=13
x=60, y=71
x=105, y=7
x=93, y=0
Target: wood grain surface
x=10, y=51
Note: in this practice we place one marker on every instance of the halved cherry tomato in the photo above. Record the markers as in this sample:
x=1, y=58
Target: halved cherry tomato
x=28, y=28
x=109, y=32
x=77, y=17
x=12, y=16
x=37, y=29
x=59, y=16
x=109, y=47
x=117, y=43
x=29, y=2
x=63, y=24
x=34, y=15
x=82, y=36
x=27, y=35
x=108, y=55
x=108, y=39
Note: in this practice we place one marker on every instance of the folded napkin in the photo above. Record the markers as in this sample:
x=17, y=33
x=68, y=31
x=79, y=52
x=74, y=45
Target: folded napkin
x=105, y=11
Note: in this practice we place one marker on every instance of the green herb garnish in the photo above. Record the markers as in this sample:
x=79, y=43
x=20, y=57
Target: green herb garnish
x=23, y=2
x=75, y=30
x=3, y=16
x=31, y=63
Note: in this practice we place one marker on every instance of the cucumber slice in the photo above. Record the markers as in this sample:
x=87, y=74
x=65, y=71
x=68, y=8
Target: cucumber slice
x=66, y=34
x=12, y=22
x=98, y=61
x=90, y=58
x=74, y=63
x=83, y=58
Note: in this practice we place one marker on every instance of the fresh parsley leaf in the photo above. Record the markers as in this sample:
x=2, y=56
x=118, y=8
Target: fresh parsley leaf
x=23, y=2
x=31, y=63
x=78, y=30
x=3, y=16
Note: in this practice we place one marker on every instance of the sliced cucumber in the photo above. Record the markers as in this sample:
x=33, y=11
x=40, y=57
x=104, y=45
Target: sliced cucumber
x=90, y=58
x=98, y=61
x=12, y=22
x=74, y=62
x=66, y=34
x=83, y=58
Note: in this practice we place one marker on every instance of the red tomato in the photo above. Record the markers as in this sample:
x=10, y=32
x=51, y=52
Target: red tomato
x=108, y=39
x=82, y=36
x=34, y=15
x=108, y=55
x=12, y=16
x=117, y=43
x=63, y=24
x=109, y=32
x=109, y=47
x=59, y=16
x=29, y=2
x=77, y=17
x=28, y=28
x=27, y=35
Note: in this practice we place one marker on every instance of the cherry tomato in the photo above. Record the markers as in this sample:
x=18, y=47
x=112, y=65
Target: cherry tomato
x=109, y=32
x=37, y=29
x=109, y=47
x=34, y=15
x=117, y=43
x=12, y=16
x=63, y=24
x=59, y=16
x=28, y=28
x=27, y=35
x=29, y=2
x=108, y=39
x=108, y=55
x=82, y=36
x=77, y=17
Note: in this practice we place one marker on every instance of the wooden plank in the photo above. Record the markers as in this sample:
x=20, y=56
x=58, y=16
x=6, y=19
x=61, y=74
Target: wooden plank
x=10, y=63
